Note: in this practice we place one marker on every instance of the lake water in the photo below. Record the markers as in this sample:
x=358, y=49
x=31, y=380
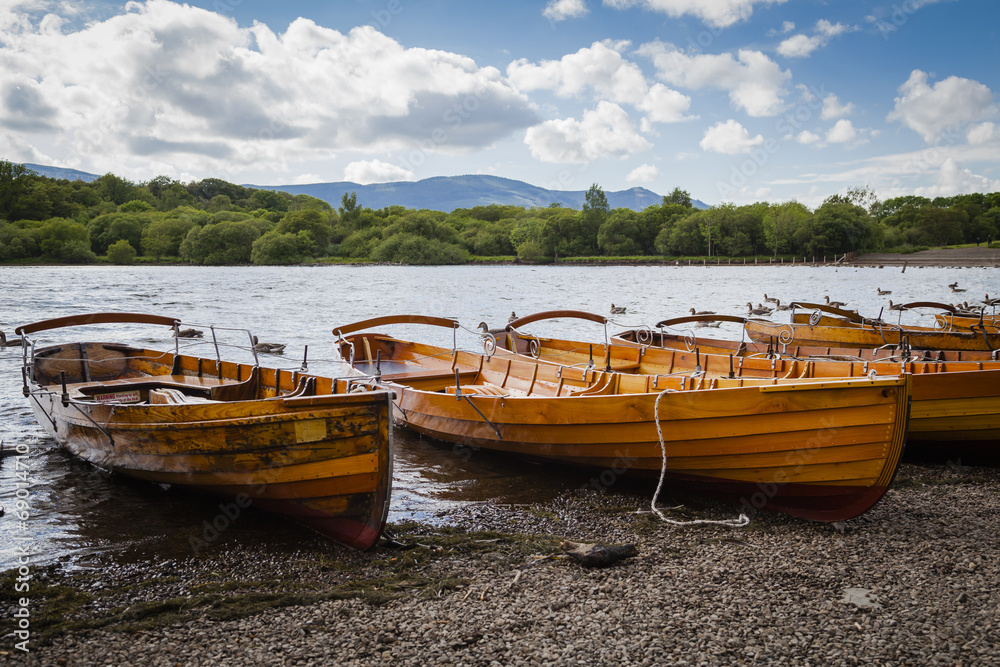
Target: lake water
x=77, y=510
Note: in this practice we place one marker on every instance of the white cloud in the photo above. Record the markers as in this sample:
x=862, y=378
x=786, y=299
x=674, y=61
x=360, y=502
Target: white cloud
x=375, y=171
x=599, y=69
x=171, y=82
x=786, y=27
x=801, y=46
x=604, y=132
x=729, y=137
x=806, y=137
x=559, y=10
x=665, y=105
x=980, y=134
x=828, y=29
x=755, y=82
x=832, y=108
x=605, y=74
x=644, y=173
x=842, y=132
x=952, y=179
x=949, y=104
x=716, y=13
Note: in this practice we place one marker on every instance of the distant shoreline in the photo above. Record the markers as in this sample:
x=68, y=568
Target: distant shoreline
x=975, y=257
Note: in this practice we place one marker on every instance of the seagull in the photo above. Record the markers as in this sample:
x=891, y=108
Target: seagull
x=617, y=310
x=883, y=292
x=267, y=348
x=897, y=306
x=834, y=304
x=188, y=333
x=769, y=299
x=759, y=310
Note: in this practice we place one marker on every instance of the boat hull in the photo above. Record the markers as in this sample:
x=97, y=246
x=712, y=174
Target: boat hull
x=323, y=459
x=825, y=451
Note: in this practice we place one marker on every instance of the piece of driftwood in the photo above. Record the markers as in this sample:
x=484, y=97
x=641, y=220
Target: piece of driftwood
x=598, y=555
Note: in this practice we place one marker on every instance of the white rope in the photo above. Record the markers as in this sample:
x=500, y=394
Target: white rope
x=743, y=519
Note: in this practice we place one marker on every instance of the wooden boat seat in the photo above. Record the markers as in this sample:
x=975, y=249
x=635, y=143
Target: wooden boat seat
x=482, y=389
x=168, y=396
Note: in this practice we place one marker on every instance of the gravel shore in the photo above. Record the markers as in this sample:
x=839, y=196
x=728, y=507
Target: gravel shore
x=913, y=581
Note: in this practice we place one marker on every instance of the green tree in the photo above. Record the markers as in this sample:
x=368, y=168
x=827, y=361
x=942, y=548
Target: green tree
x=121, y=252
x=678, y=196
x=781, y=222
x=14, y=179
x=619, y=235
x=164, y=235
x=594, y=212
x=66, y=240
x=276, y=248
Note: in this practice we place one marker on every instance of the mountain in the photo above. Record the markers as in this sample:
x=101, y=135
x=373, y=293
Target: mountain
x=59, y=172
x=446, y=193
x=441, y=193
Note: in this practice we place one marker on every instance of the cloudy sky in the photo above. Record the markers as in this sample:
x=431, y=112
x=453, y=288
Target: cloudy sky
x=732, y=100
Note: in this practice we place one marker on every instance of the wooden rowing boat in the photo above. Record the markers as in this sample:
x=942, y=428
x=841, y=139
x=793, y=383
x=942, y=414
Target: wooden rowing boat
x=848, y=329
x=285, y=441
x=955, y=404
x=820, y=450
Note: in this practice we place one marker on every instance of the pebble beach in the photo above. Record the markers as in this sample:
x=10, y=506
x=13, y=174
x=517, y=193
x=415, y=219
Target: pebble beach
x=913, y=581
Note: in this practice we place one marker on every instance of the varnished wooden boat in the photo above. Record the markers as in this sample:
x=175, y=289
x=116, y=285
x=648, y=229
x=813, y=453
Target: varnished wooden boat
x=297, y=444
x=843, y=328
x=955, y=404
x=825, y=451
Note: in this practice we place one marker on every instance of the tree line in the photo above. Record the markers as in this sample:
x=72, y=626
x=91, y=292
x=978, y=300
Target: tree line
x=215, y=222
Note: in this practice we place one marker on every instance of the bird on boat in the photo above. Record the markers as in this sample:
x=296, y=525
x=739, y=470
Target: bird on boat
x=759, y=310
x=267, y=348
x=956, y=289
x=8, y=343
x=617, y=310
x=769, y=299
x=486, y=329
x=834, y=304
x=513, y=316
x=883, y=292
x=778, y=306
x=188, y=333
x=702, y=312
x=895, y=306
x=991, y=302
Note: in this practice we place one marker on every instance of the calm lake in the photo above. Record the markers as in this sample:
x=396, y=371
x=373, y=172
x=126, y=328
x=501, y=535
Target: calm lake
x=78, y=511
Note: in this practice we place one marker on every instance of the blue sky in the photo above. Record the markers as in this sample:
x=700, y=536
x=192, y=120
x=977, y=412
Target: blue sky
x=732, y=100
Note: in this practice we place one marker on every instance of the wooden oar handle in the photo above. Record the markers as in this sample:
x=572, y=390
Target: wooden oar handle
x=95, y=318
x=846, y=314
x=701, y=318
x=396, y=319
x=557, y=314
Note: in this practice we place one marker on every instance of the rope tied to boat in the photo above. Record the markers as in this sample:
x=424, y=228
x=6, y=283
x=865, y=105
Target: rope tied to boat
x=739, y=522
